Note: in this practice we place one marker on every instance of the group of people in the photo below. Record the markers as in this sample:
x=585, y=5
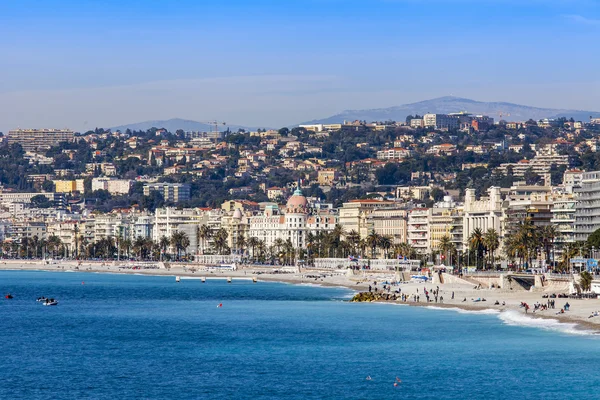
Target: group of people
x=550, y=304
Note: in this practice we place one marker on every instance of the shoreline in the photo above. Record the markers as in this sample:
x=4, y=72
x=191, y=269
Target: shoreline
x=578, y=319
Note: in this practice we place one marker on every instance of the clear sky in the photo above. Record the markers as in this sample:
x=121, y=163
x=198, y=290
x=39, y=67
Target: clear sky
x=82, y=64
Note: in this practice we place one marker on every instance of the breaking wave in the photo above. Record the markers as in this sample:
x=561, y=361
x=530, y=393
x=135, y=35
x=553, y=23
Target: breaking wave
x=514, y=318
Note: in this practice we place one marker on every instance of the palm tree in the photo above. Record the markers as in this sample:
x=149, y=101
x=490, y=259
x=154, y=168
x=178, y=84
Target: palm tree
x=385, y=242
x=204, y=233
x=261, y=247
x=476, y=244
x=310, y=244
x=548, y=233
x=491, y=241
x=163, y=244
x=373, y=241
x=125, y=246
x=53, y=245
x=179, y=241
x=289, y=252
x=585, y=281
x=139, y=246
x=445, y=245
x=253, y=243
x=353, y=239
x=278, y=244
x=404, y=250
x=241, y=243
x=220, y=241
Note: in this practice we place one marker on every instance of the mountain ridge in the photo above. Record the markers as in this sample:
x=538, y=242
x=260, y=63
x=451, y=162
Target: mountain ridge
x=174, y=124
x=448, y=104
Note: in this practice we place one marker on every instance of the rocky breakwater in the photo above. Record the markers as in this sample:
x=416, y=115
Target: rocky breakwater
x=372, y=296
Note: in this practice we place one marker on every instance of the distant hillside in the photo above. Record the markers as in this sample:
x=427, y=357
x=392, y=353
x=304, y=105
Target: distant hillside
x=174, y=124
x=450, y=104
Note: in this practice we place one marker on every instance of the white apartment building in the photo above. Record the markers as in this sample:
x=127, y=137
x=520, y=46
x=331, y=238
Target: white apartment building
x=572, y=179
x=418, y=229
x=169, y=219
x=417, y=123
x=391, y=223
x=485, y=213
x=353, y=216
x=563, y=217
x=540, y=164
x=587, y=214
x=113, y=225
x=113, y=186
x=440, y=121
x=394, y=153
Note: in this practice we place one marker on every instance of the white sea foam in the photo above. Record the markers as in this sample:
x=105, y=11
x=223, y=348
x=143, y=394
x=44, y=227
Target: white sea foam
x=515, y=318
x=486, y=311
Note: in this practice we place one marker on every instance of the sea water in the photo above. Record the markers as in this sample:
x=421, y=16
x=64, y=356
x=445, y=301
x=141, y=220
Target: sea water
x=130, y=337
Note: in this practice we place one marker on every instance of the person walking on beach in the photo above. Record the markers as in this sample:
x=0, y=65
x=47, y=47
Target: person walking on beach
x=452, y=295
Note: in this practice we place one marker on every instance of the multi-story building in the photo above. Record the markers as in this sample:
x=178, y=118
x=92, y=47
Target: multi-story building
x=485, y=213
x=67, y=231
x=391, y=223
x=142, y=226
x=395, y=153
x=13, y=197
x=26, y=229
x=113, y=186
x=39, y=139
x=418, y=229
x=540, y=164
x=440, y=121
x=68, y=186
x=534, y=208
x=294, y=223
x=169, y=220
x=171, y=192
x=112, y=225
x=328, y=176
x=587, y=214
x=563, y=218
x=353, y=216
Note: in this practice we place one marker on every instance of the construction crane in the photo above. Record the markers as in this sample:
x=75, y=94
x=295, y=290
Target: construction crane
x=215, y=125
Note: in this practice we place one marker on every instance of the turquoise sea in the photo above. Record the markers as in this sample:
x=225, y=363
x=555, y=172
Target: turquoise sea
x=145, y=337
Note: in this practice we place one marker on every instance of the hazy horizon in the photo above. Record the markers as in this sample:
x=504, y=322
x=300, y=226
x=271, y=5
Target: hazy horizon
x=267, y=63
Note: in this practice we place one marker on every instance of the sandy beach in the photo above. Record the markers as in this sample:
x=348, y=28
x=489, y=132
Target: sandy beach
x=577, y=318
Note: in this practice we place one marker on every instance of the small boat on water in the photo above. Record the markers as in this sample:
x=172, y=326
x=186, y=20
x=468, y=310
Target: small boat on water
x=9, y=296
x=50, y=302
x=177, y=279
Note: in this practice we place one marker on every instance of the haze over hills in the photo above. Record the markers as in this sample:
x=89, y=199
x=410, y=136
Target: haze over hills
x=451, y=104
x=174, y=124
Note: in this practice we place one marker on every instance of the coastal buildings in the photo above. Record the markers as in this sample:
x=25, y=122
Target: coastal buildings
x=39, y=139
x=68, y=186
x=418, y=229
x=113, y=186
x=563, y=218
x=171, y=192
x=440, y=121
x=485, y=213
x=587, y=211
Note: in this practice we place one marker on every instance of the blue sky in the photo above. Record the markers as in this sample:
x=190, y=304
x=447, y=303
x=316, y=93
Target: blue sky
x=85, y=63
